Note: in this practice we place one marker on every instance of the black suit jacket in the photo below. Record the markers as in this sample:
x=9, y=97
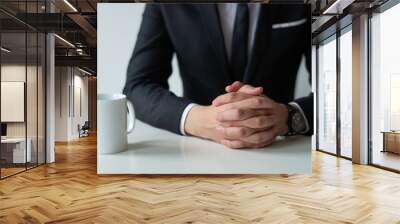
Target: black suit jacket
x=193, y=33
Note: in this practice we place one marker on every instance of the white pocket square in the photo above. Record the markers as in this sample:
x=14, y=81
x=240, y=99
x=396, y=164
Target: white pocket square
x=289, y=24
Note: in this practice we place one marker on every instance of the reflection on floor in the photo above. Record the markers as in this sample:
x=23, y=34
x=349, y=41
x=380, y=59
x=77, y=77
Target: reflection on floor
x=70, y=191
x=11, y=169
x=387, y=159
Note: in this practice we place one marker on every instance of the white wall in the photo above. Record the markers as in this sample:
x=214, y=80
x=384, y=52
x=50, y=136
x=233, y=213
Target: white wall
x=80, y=82
x=115, y=46
x=68, y=81
x=34, y=125
x=14, y=73
x=61, y=103
x=17, y=72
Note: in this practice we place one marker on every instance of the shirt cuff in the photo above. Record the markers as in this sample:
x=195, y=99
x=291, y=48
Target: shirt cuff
x=294, y=104
x=183, y=117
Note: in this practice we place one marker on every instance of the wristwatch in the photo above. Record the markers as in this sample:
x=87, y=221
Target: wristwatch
x=296, y=121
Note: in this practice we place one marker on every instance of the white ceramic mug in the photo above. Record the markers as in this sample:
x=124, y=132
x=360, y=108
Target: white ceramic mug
x=113, y=124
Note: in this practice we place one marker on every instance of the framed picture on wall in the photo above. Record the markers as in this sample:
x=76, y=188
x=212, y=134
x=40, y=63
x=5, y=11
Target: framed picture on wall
x=12, y=101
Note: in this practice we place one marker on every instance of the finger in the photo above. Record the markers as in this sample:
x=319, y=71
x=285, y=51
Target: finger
x=244, y=88
x=255, y=91
x=235, y=132
x=240, y=114
x=262, y=137
x=255, y=102
x=258, y=122
x=238, y=144
x=230, y=98
x=234, y=87
x=234, y=144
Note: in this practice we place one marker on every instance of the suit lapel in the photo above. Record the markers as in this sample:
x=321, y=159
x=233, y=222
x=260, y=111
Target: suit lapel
x=212, y=25
x=261, y=42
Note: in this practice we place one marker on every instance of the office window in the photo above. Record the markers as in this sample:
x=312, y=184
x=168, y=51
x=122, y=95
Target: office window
x=385, y=88
x=327, y=95
x=346, y=92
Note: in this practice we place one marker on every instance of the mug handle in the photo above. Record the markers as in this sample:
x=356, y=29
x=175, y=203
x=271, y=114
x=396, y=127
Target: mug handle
x=131, y=114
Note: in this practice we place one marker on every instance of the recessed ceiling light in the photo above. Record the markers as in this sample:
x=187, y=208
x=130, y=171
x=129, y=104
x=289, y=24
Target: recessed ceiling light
x=337, y=7
x=5, y=50
x=84, y=71
x=70, y=5
x=65, y=41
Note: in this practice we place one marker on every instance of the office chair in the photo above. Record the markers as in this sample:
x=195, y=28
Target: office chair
x=84, y=130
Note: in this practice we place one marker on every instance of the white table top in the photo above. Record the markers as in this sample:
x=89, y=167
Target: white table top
x=155, y=151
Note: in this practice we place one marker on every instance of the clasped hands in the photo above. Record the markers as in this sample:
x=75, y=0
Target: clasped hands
x=241, y=118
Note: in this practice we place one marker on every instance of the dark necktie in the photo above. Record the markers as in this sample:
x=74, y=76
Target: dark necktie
x=239, y=42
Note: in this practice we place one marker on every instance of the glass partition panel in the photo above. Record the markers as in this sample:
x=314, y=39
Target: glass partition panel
x=346, y=94
x=41, y=79
x=327, y=96
x=32, y=96
x=22, y=78
x=14, y=153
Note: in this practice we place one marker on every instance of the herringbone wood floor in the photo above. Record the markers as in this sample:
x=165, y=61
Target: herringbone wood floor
x=70, y=191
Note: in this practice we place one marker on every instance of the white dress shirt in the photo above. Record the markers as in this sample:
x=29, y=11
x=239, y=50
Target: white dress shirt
x=227, y=14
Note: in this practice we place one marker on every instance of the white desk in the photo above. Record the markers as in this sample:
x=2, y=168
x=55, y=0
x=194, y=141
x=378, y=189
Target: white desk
x=18, y=154
x=155, y=151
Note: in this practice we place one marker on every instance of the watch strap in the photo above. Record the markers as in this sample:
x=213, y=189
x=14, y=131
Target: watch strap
x=291, y=111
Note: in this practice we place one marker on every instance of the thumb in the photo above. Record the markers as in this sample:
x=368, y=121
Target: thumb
x=234, y=87
x=251, y=90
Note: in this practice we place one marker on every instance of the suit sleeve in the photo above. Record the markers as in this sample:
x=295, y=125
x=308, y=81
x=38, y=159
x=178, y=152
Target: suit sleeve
x=307, y=103
x=148, y=72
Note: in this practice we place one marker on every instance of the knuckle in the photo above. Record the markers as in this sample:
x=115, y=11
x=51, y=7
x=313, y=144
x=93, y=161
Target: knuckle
x=260, y=121
x=233, y=95
x=238, y=113
x=242, y=132
x=224, y=132
x=220, y=116
x=258, y=101
x=254, y=101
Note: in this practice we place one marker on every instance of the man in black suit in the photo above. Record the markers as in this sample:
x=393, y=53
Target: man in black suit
x=238, y=63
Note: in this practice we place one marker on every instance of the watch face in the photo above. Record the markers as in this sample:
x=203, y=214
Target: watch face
x=298, y=123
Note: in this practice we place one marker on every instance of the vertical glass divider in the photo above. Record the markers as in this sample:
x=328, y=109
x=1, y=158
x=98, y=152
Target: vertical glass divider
x=338, y=76
x=26, y=86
